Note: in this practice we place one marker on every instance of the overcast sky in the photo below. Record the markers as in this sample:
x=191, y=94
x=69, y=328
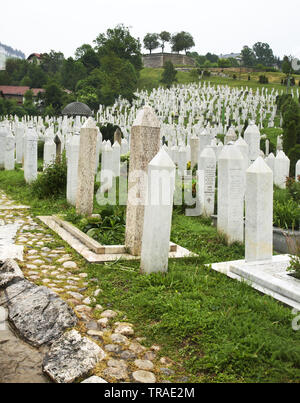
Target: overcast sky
x=218, y=26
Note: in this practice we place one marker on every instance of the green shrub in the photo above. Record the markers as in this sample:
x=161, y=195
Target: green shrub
x=286, y=215
x=107, y=229
x=263, y=80
x=52, y=182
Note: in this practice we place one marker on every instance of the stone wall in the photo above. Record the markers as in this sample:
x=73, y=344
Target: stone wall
x=157, y=60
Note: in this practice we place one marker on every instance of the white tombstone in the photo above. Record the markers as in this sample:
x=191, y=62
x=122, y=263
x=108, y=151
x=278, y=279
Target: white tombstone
x=107, y=169
x=195, y=149
x=158, y=214
x=230, y=194
x=116, y=159
x=9, y=160
x=124, y=147
x=259, y=212
x=20, y=129
x=3, y=134
x=72, y=170
x=270, y=161
x=252, y=138
x=281, y=170
x=49, y=152
x=86, y=168
x=30, y=156
x=208, y=164
x=298, y=171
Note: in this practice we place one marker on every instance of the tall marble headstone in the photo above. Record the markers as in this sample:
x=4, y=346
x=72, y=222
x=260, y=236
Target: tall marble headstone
x=144, y=145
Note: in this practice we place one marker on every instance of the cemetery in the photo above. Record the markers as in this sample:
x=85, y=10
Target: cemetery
x=154, y=241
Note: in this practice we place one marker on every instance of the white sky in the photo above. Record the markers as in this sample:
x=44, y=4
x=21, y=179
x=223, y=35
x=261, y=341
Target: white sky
x=218, y=26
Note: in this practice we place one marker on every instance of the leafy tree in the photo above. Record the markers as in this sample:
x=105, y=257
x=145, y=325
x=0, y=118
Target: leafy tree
x=52, y=62
x=88, y=57
x=121, y=43
x=72, y=72
x=53, y=96
x=287, y=69
x=233, y=62
x=151, y=42
x=224, y=63
x=119, y=79
x=169, y=74
x=182, y=41
x=264, y=54
x=248, y=57
x=212, y=58
x=291, y=124
x=164, y=37
x=294, y=156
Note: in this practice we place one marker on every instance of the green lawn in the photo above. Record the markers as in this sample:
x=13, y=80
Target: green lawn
x=213, y=328
x=150, y=78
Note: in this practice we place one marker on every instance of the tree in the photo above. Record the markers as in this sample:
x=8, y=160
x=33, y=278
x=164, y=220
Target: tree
x=53, y=96
x=182, y=41
x=291, y=124
x=287, y=69
x=119, y=79
x=121, y=43
x=88, y=57
x=248, y=57
x=151, y=42
x=52, y=62
x=264, y=54
x=164, y=36
x=212, y=58
x=72, y=72
x=224, y=63
x=169, y=74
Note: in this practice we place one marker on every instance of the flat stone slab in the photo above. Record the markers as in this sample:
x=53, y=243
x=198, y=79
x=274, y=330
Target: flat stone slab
x=71, y=357
x=268, y=277
x=8, y=250
x=113, y=251
x=37, y=313
x=19, y=362
x=13, y=207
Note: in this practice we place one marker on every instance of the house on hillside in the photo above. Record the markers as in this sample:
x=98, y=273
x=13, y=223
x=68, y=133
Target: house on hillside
x=18, y=92
x=35, y=58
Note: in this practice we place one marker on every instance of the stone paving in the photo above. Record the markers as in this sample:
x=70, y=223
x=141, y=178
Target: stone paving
x=46, y=262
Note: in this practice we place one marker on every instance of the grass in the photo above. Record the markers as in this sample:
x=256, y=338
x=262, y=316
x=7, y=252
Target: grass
x=214, y=329
x=150, y=78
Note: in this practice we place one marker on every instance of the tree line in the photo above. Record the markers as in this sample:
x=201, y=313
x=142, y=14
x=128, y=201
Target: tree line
x=97, y=74
x=179, y=41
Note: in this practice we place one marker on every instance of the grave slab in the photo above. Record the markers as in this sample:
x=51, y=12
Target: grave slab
x=269, y=277
x=112, y=253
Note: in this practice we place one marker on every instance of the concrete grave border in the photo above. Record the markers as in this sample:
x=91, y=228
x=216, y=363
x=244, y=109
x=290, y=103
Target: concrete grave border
x=92, y=251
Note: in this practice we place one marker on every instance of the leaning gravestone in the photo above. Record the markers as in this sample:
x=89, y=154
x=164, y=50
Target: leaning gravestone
x=86, y=168
x=144, y=145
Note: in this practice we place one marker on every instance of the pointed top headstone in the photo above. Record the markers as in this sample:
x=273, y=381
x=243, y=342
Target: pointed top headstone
x=162, y=159
x=259, y=166
x=89, y=124
x=147, y=118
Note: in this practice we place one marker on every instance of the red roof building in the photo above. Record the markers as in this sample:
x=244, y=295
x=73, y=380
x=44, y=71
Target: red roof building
x=18, y=92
